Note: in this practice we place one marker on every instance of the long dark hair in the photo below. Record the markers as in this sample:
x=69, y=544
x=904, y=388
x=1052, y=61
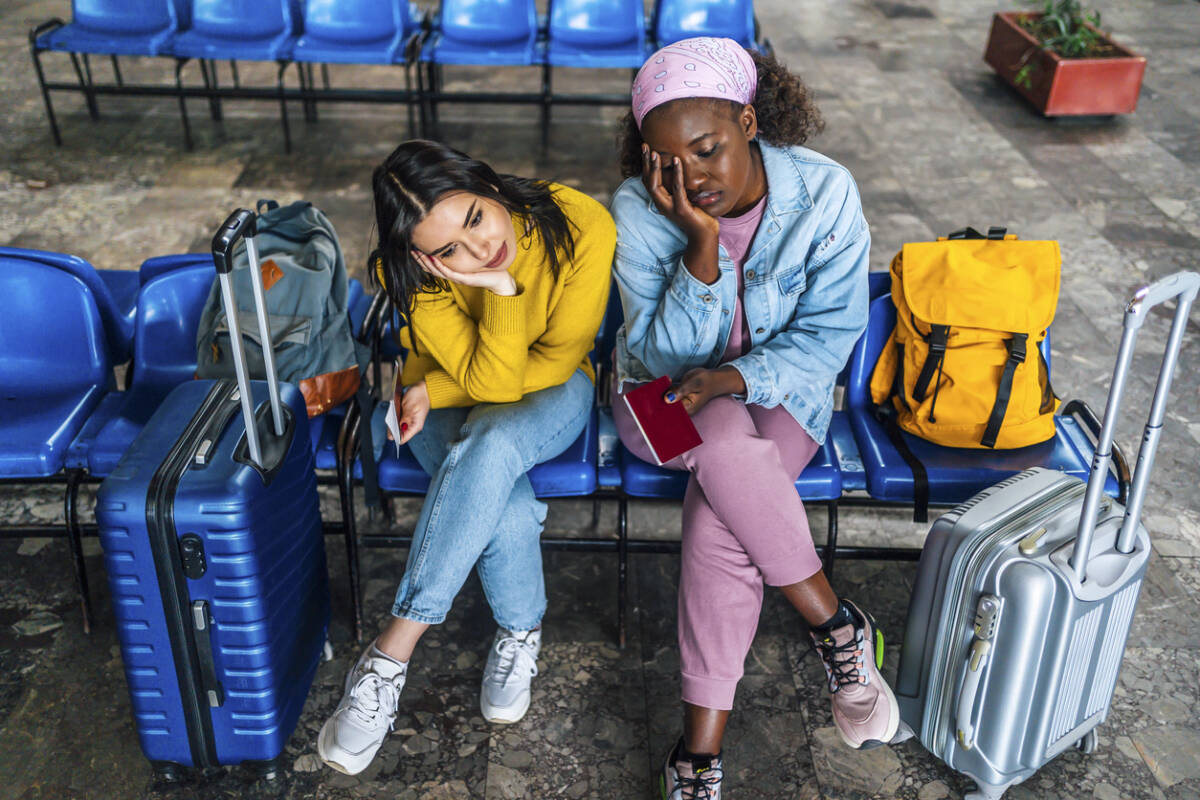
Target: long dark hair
x=783, y=105
x=416, y=175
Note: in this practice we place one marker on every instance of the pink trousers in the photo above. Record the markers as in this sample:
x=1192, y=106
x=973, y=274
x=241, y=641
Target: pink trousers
x=743, y=526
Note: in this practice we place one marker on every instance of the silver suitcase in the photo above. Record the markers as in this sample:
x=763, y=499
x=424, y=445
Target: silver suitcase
x=1024, y=597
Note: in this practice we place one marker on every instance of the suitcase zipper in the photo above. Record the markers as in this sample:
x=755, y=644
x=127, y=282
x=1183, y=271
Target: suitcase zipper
x=968, y=563
x=160, y=527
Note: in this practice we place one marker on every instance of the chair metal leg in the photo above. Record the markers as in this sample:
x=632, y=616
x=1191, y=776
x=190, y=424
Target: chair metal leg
x=545, y=105
x=41, y=76
x=622, y=565
x=435, y=86
x=283, y=115
x=831, y=538
x=215, y=101
x=237, y=84
x=347, y=446
x=408, y=89
x=325, y=75
x=70, y=513
x=88, y=96
x=312, y=85
x=595, y=512
x=206, y=76
x=187, y=128
x=117, y=71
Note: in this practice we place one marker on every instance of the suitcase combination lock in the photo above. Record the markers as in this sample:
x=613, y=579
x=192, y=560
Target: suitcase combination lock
x=191, y=554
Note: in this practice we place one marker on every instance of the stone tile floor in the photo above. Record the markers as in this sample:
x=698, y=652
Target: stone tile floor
x=935, y=142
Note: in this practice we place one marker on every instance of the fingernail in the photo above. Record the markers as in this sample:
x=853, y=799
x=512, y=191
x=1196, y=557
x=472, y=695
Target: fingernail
x=670, y=397
x=403, y=427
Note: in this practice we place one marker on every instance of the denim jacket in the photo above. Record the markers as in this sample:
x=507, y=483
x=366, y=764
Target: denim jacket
x=805, y=296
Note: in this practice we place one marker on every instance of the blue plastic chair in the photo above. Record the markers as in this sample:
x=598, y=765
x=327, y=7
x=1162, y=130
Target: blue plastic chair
x=485, y=33
x=596, y=33
x=241, y=30
x=356, y=31
x=683, y=19
x=113, y=293
x=54, y=371
x=956, y=474
x=169, y=308
x=235, y=30
x=854, y=477
x=116, y=27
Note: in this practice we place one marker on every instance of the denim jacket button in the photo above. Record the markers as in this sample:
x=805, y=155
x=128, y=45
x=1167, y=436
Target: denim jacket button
x=760, y=330
x=725, y=311
x=787, y=397
x=750, y=274
x=706, y=298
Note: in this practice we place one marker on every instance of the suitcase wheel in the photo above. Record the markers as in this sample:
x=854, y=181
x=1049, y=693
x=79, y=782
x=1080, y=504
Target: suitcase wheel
x=1087, y=745
x=169, y=771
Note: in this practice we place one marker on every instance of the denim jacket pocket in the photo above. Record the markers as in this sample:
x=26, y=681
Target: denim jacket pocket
x=793, y=280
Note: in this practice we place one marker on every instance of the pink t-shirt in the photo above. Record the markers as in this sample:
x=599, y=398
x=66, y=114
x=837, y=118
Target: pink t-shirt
x=736, y=234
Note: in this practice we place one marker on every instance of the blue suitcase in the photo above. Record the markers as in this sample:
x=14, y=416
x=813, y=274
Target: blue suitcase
x=213, y=545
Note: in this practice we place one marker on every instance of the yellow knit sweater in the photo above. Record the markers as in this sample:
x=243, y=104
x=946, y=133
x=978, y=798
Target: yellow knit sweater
x=474, y=346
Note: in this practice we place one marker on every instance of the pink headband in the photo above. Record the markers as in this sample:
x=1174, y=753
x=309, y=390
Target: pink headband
x=701, y=67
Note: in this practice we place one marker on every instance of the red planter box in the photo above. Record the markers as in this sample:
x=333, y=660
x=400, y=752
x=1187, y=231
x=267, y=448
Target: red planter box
x=1061, y=86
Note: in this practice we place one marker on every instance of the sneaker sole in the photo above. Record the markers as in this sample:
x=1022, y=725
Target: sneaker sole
x=493, y=715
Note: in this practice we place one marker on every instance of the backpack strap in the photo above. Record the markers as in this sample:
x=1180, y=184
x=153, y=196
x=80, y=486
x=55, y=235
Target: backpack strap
x=887, y=416
x=995, y=232
x=1016, y=356
x=938, y=334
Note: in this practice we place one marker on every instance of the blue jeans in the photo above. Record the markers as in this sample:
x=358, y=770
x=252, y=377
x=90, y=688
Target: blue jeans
x=480, y=510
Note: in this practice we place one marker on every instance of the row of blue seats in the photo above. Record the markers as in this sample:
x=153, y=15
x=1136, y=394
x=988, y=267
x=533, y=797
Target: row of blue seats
x=63, y=416
x=574, y=33
x=581, y=33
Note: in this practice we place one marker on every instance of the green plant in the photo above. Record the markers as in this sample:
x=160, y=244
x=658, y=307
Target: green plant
x=1065, y=27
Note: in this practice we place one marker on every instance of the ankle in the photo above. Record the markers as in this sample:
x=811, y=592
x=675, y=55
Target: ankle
x=845, y=615
x=391, y=652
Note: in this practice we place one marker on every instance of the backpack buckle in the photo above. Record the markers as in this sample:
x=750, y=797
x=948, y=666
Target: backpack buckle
x=1016, y=348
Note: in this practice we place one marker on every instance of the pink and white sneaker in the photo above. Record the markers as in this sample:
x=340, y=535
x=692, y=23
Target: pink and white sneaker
x=865, y=711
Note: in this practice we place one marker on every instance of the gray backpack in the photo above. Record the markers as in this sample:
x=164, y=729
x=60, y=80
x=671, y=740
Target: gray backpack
x=304, y=276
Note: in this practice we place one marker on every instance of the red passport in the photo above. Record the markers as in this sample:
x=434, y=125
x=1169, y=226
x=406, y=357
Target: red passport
x=666, y=427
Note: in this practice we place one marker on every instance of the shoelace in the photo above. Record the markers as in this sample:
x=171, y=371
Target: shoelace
x=700, y=787
x=371, y=696
x=843, y=662
x=511, y=651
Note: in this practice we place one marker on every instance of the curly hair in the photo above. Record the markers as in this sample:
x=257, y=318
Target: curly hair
x=787, y=114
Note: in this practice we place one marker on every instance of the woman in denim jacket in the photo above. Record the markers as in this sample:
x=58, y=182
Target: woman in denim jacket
x=742, y=266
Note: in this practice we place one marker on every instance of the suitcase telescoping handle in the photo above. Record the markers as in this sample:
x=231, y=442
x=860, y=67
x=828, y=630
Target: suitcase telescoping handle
x=241, y=224
x=1181, y=285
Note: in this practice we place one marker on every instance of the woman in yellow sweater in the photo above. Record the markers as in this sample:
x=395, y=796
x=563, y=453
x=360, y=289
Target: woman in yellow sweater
x=504, y=281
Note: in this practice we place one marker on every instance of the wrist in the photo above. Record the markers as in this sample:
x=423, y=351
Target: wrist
x=506, y=287
x=732, y=381
x=701, y=256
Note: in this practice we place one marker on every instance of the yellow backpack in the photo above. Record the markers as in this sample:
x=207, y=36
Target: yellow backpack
x=962, y=367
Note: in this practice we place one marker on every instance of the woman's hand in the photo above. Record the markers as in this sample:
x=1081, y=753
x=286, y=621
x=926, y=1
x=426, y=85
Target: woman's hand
x=413, y=405
x=700, y=256
x=672, y=200
x=701, y=385
x=496, y=281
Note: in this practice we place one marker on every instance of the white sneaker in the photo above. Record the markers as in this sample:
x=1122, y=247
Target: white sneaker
x=511, y=665
x=351, y=737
